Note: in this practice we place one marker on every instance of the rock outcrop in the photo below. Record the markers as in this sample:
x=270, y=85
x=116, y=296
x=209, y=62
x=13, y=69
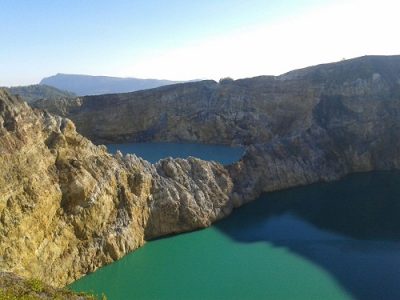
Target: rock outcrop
x=239, y=112
x=313, y=124
x=353, y=126
x=246, y=111
x=68, y=207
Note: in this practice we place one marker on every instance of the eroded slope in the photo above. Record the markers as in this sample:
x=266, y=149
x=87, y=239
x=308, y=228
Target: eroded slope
x=68, y=207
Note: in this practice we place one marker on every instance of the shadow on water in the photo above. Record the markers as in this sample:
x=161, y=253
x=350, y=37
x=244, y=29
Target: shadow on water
x=350, y=228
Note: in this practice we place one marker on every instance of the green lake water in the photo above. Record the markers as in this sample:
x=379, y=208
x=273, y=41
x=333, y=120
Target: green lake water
x=324, y=241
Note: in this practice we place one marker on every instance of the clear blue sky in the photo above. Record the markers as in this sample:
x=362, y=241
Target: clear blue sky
x=135, y=38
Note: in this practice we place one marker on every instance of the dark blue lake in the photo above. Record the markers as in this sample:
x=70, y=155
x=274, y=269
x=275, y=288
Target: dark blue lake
x=338, y=240
x=156, y=151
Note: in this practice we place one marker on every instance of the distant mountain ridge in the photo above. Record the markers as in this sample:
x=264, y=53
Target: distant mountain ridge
x=40, y=91
x=83, y=85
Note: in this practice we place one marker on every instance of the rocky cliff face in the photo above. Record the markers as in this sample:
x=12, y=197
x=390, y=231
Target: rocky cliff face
x=353, y=126
x=308, y=125
x=241, y=112
x=68, y=207
x=247, y=111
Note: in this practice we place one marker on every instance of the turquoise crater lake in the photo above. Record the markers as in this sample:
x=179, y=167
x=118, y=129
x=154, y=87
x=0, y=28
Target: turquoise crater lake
x=338, y=240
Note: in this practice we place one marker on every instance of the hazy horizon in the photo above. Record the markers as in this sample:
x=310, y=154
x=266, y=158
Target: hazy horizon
x=179, y=41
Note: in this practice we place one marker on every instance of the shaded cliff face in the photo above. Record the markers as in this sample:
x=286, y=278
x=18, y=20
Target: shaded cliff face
x=308, y=125
x=355, y=127
x=230, y=113
x=247, y=111
x=68, y=207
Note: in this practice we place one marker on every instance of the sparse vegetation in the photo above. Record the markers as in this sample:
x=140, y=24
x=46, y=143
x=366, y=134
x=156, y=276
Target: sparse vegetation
x=13, y=287
x=36, y=285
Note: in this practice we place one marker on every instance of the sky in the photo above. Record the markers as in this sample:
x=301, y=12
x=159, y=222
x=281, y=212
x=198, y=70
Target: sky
x=187, y=39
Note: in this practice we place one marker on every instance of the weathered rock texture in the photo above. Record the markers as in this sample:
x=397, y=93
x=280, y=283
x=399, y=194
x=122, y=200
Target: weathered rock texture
x=352, y=125
x=246, y=111
x=240, y=112
x=68, y=207
x=308, y=125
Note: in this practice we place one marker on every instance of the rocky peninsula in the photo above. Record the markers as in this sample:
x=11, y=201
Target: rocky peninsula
x=68, y=207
